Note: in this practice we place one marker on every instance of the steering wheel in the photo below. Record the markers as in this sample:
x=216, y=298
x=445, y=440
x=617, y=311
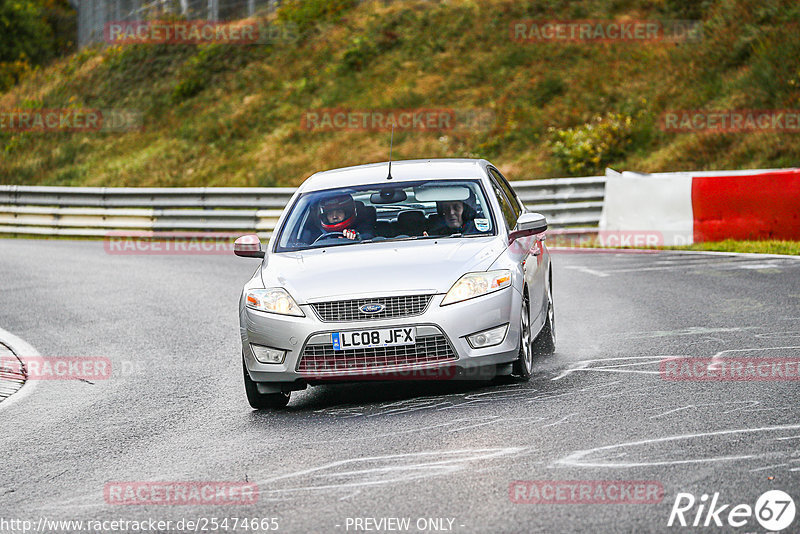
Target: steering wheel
x=328, y=234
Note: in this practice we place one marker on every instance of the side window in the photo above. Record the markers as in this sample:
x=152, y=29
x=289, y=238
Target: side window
x=508, y=190
x=509, y=214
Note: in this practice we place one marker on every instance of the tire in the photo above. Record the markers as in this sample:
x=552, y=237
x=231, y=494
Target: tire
x=523, y=366
x=545, y=342
x=263, y=401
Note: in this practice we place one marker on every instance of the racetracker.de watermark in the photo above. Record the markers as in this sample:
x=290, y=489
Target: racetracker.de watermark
x=608, y=238
x=409, y=374
x=168, y=243
x=70, y=120
x=420, y=119
x=145, y=524
x=731, y=120
x=174, y=493
x=88, y=368
x=605, y=31
x=400, y=374
x=122, y=32
x=586, y=492
x=730, y=369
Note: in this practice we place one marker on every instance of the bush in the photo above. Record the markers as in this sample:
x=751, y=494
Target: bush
x=687, y=9
x=547, y=89
x=63, y=21
x=774, y=77
x=24, y=35
x=359, y=54
x=200, y=70
x=25, y=39
x=589, y=148
x=12, y=71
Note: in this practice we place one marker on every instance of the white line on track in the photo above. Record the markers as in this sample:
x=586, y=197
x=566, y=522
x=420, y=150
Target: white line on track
x=616, y=364
x=767, y=467
x=688, y=331
x=739, y=261
x=616, y=368
x=673, y=411
x=694, y=265
x=736, y=254
x=587, y=270
x=576, y=459
x=666, y=253
x=421, y=465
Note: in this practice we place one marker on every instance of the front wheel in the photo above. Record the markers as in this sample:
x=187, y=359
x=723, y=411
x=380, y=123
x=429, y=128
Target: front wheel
x=545, y=342
x=523, y=366
x=263, y=401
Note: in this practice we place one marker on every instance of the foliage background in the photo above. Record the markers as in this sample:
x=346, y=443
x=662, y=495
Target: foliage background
x=231, y=115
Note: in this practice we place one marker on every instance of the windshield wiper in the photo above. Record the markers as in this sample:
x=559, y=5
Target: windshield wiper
x=393, y=239
x=390, y=239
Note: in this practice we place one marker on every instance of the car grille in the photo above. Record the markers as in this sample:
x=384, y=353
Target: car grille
x=323, y=359
x=393, y=307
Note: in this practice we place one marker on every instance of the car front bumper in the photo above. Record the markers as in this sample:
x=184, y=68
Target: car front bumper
x=454, y=322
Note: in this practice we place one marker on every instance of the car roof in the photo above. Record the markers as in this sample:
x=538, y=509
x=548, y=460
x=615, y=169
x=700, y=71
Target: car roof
x=402, y=171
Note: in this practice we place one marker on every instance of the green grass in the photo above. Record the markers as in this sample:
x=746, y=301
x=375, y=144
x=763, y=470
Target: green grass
x=791, y=248
x=218, y=115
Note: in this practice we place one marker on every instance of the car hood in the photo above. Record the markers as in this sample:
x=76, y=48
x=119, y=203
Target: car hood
x=349, y=271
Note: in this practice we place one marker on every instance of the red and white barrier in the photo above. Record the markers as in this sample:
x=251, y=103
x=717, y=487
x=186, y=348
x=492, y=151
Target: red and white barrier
x=704, y=206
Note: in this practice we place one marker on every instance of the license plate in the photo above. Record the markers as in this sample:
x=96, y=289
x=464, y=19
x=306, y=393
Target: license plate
x=368, y=339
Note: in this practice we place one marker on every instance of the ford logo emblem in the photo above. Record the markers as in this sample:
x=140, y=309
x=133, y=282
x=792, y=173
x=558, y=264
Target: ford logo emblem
x=371, y=308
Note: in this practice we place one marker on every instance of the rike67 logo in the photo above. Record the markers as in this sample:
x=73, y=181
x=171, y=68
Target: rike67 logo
x=774, y=510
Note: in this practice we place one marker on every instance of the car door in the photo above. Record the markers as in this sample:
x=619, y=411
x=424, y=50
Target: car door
x=528, y=249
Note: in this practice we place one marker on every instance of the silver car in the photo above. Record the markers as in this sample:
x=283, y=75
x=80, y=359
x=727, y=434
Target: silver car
x=418, y=270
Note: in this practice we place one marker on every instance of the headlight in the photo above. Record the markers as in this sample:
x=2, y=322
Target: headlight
x=473, y=285
x=273, y=300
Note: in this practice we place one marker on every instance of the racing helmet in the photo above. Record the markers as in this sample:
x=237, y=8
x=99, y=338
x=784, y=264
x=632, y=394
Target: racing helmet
x=342, y=202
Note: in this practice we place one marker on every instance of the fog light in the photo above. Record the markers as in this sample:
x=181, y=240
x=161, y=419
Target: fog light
x=488, y=338
x=267, y=355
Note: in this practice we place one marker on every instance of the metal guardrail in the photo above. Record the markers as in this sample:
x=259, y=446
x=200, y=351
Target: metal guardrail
x=97, y=211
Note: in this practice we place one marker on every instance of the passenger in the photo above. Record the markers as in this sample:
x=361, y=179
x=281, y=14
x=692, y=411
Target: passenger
x=455, y=217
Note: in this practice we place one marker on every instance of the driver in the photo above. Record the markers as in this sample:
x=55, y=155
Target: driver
x=339, y=214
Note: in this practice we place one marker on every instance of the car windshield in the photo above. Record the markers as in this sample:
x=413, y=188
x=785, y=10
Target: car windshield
x=383, y=212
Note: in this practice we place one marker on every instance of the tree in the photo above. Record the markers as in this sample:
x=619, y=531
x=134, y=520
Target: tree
x=24, y=32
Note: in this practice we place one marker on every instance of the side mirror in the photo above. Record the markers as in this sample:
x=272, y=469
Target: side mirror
x=528, y=224
x=248, y=246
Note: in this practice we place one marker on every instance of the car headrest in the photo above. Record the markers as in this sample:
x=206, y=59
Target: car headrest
x=412, y=222
x=411, y=218
x=368, y=214
x=469, y=213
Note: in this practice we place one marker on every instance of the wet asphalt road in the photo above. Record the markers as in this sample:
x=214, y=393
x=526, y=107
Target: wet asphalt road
x=174, y=408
